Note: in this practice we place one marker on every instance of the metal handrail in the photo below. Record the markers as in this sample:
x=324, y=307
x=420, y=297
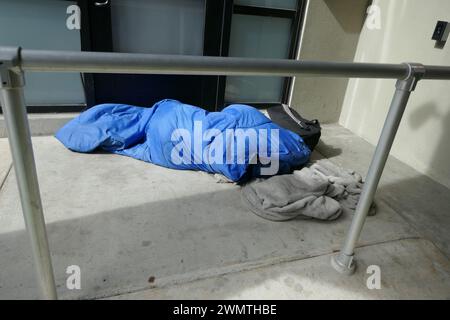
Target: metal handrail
x=113, y=62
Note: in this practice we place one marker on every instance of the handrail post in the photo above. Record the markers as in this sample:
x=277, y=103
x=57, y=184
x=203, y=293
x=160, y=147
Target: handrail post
x=344, y=262
x=14, y=111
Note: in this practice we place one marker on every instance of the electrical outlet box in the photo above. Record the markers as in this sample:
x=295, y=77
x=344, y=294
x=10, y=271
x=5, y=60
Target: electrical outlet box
x=441, y=31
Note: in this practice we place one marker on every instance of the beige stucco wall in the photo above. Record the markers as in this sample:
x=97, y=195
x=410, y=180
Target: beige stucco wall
x=331, y=32
x=423, y=139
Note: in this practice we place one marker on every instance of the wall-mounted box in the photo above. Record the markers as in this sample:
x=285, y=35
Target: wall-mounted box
x=441, y=31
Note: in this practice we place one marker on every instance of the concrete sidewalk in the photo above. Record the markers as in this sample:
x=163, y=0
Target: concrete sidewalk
x=135, y=227
x=410, y=269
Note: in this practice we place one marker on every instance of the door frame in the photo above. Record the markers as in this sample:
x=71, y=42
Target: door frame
x=297, y=16
x=96, y=35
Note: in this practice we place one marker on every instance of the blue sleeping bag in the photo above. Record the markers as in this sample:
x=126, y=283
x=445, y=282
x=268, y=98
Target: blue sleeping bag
x=239, y=142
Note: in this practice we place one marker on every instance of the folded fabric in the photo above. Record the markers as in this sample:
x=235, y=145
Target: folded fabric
x=238, y=142
x=321, y=191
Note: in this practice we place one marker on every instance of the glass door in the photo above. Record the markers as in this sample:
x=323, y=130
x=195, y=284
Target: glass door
x=147, y=26
x=42, y=24
x=262, y=29
x=239, y=28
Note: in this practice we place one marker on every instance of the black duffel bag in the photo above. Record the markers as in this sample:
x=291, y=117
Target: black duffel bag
x=288, y=118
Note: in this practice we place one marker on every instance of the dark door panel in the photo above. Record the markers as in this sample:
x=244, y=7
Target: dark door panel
x=140, y=90
x=145, y=90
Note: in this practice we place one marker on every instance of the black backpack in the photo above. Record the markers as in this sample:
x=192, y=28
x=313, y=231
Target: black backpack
x=288, y=118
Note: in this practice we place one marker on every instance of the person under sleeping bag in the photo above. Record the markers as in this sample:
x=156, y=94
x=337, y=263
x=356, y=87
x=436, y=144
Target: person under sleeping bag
x=238, y=142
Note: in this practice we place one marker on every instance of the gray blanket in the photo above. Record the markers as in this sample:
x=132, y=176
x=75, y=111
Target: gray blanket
x=321, y=190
